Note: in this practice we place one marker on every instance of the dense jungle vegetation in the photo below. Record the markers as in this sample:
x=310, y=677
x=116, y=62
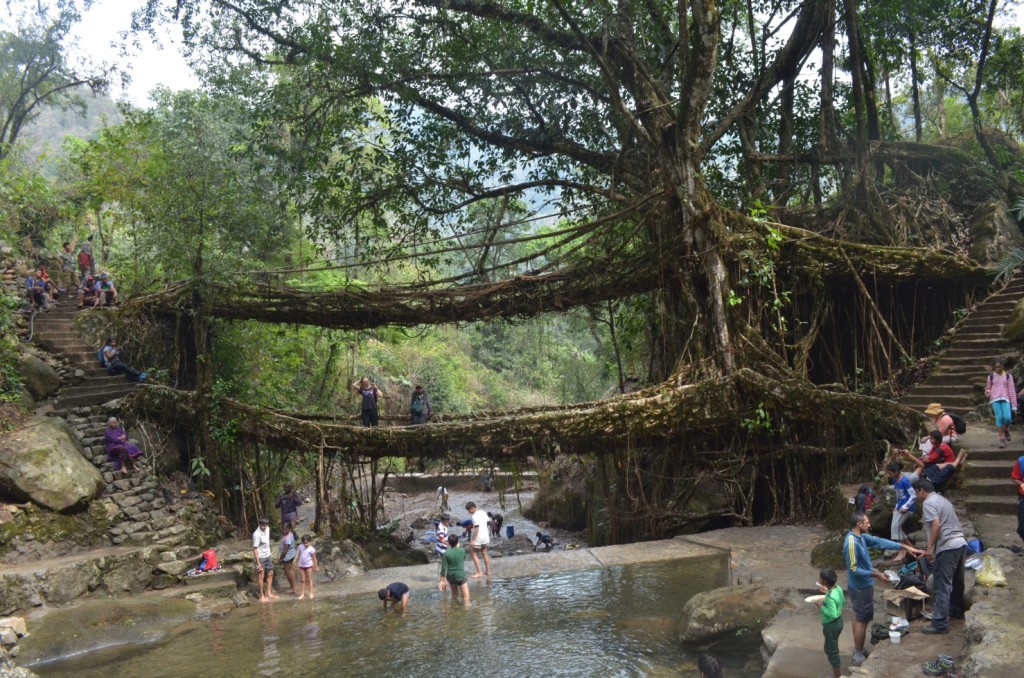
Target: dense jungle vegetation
x=525, y=205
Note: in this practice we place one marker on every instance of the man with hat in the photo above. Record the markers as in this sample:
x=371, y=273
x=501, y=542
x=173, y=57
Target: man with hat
x=264, y=561
x=943, y=423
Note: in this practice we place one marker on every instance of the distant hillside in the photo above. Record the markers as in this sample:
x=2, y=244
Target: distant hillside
x=45, y=134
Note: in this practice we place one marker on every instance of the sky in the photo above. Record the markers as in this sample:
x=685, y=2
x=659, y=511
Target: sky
x=157, y=63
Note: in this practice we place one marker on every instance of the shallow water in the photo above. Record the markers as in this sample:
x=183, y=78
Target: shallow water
x=618, y=621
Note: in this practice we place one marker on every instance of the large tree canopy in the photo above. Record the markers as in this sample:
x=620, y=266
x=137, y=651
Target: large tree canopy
x=730, y=162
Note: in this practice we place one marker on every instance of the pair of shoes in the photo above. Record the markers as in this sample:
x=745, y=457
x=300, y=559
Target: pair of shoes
x=932, y=630
x=940, y=667
x=859, y=658
x=143, y=376
x=1002, y=444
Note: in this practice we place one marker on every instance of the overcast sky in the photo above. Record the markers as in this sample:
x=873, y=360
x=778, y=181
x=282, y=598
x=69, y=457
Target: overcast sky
x=154, y=65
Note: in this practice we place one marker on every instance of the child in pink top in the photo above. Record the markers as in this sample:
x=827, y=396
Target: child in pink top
x=1003, y=396
x=307, y=564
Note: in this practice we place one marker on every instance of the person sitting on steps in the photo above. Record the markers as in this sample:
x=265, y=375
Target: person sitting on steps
x=35, y=288
x=88, y=293
x=112, y=361
x=938, y=464
x=107, y=291
x=121, y=453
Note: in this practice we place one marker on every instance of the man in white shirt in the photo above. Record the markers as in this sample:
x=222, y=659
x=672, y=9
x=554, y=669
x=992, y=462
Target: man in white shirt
x=264, y=561
x=480, y=539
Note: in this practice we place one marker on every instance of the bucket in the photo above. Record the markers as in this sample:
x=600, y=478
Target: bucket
x=510, y=531
x=894, y=637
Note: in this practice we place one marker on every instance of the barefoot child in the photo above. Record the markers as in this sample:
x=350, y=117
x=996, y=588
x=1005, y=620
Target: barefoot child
x=831, y=616
x=307, y=564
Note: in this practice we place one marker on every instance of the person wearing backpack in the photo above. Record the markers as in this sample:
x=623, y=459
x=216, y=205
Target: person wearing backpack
x=943, y=423
x=370, y=397
x=1017, y=475
x=110, y=357
x=1002, y=395
x=419, y=406
x=86, y=263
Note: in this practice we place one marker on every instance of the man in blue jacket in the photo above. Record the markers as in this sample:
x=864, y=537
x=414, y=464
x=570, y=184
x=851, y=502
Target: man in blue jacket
x=860, y=573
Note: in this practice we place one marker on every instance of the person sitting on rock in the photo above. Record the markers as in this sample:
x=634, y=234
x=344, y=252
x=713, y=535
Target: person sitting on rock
x=88, y=293
x=35, y=288
x=121, y=453
x=112, y=361
x=107, y=291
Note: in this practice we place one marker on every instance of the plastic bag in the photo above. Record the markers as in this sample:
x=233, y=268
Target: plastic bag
x=991, y=573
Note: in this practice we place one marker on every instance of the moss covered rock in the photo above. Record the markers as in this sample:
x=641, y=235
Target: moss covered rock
x=43, y=462
x=1014, y=330
x=41, y=380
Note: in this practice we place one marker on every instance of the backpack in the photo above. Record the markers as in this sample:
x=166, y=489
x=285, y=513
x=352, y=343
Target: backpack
x=417, y=404
x=864, y=500
x=959, y=424
x=84, y=260
x=101, y=357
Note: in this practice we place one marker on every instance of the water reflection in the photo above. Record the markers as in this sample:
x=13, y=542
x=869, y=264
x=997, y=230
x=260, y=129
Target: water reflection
x=608, y=622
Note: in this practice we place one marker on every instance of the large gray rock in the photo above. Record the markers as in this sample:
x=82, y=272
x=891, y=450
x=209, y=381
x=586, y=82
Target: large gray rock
x=1014, y=330
x=993, y=232
x=43, y=462
x=710, y=616
x=41, y=380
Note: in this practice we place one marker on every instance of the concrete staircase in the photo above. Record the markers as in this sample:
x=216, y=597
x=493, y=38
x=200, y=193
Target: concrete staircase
x=959, y=384
x=55, y=331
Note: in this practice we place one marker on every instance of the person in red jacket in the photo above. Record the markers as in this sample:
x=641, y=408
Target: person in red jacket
x=1017, y=475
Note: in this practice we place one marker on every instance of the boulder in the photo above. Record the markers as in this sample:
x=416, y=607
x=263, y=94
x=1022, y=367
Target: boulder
x=993, y=232
x=729, y=611
x=1014, y=330
x=43, y=462
x=41, y=380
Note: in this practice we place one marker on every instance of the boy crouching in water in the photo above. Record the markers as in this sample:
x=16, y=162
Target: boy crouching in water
x=831, y=616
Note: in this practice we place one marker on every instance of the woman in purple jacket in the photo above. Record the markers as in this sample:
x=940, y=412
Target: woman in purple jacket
x=120, y=452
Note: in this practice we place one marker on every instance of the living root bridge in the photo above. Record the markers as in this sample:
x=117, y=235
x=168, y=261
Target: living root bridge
x=686, y=419
x=802, y=254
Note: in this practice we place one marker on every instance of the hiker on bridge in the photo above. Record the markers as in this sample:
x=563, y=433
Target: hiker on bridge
x=371, y=396
x=419, y=405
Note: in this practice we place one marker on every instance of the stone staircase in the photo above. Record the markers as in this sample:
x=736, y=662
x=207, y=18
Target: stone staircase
x=55, y=331
x=959, y=384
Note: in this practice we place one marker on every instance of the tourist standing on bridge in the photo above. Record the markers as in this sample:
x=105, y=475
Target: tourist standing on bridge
x=1002, y=394
x=371, y=396
x=860, y=572
x=946, y=550
x=419, y=406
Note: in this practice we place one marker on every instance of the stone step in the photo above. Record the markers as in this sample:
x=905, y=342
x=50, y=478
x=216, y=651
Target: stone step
x=990, y=504
x=216, y=589
x=224, y=575
x=983, y=466
x=989, y=487
x=69, y=402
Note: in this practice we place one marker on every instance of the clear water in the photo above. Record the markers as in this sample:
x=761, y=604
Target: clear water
x=618, y=621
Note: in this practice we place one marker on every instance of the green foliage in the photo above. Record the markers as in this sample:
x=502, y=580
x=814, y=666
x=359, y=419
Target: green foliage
x=35, y=70
x=760, y=422
x=10, y=380
x=29, y=206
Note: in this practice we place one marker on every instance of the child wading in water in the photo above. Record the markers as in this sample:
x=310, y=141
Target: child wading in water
x=831, y=616
x=307, y=564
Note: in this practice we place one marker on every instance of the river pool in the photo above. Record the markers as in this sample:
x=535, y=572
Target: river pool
x=615, y=621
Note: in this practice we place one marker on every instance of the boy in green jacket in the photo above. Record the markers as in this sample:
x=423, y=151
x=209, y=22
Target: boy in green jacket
x=831, y=616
